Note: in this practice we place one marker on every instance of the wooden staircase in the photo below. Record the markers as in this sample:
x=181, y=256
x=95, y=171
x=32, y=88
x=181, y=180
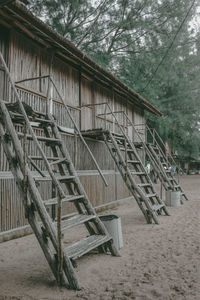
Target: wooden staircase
x=164, y=169
x=132, y=171
x=161, y=161
x=59, y=170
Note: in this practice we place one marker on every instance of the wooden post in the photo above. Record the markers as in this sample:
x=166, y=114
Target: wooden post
x=161, y=188
x=25, y=185
x=59, y=204
x=105, y=123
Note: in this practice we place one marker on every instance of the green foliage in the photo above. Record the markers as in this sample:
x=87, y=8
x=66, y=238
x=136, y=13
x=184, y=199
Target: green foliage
x=130, y=38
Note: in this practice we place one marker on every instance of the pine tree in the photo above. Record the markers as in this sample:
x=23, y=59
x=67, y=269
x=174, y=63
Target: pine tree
x=149, y=45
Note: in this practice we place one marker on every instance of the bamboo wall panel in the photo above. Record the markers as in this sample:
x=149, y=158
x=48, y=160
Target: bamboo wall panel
x=12, y=210
x=139, y=125
x=121, y=188
x=38, y=102
x=66, y=79
x=80, y=156
x=102, y=95
x=27, y=59
x=24, y=60
x=100, y=153
x=35, y=100
x=98, y=193
x=3, y=160
x=119, y=105
x=130, y=114
x=61, y=116
x=4, y=50
x=87, y=116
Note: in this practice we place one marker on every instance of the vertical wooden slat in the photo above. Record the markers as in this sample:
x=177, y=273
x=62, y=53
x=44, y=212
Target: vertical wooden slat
x=28, y=60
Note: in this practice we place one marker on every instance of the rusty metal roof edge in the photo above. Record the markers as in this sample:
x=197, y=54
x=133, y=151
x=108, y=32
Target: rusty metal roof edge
x=78, y=54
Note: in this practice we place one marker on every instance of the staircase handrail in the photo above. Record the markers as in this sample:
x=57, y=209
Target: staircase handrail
x=143, y=143
x=49, y=77
x=122, y=130
x=168, y=155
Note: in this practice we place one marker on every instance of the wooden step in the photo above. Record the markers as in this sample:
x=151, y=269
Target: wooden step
x=17, y=117
x=60, y=161
x=155, y=149
x=157, y=207
x=133, y=161
x=41, y=158
x=144, y=184
x=139, y=145
x=97, y=131
x=123, y=149
x=85, y=245
x=43, y=121
x=171, y=178
x=40, y=138
x=118, y=136
x=151, y=195
x=177, y=186
x=64, y=178
x=76, y=220
x=68, y=198
x=138, y=173
x=15, y=108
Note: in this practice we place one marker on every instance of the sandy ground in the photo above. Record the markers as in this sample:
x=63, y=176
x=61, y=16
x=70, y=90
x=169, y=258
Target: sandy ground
x=157, y=261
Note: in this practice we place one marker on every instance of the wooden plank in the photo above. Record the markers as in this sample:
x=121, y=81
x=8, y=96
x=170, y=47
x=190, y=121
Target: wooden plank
x=68, y=198
x=76, y=220
x=66, y=178
x=86, y=245
x=40, y=138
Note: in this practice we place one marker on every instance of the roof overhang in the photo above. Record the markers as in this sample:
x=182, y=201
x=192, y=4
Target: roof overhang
x=18, y=16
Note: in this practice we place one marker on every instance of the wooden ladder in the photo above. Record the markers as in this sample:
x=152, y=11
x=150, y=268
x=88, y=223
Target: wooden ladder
x=61, y=172
x=164, y=169
x=133, y=172
x=160, y=160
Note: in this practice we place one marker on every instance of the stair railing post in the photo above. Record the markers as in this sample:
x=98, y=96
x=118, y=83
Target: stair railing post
x=105, y=121
x=25, y=183
x=49, y=102
x=153, y=136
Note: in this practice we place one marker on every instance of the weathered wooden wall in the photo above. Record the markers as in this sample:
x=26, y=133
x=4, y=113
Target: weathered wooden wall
x=26, y=59
x=4, y=51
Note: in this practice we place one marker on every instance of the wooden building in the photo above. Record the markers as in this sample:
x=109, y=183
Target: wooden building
x=31, y=49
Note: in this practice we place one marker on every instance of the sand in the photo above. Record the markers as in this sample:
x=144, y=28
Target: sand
x=157, y=261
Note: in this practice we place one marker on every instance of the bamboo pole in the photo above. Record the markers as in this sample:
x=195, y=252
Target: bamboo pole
x=32, y=78
x=59, y=198
x=79, y=133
